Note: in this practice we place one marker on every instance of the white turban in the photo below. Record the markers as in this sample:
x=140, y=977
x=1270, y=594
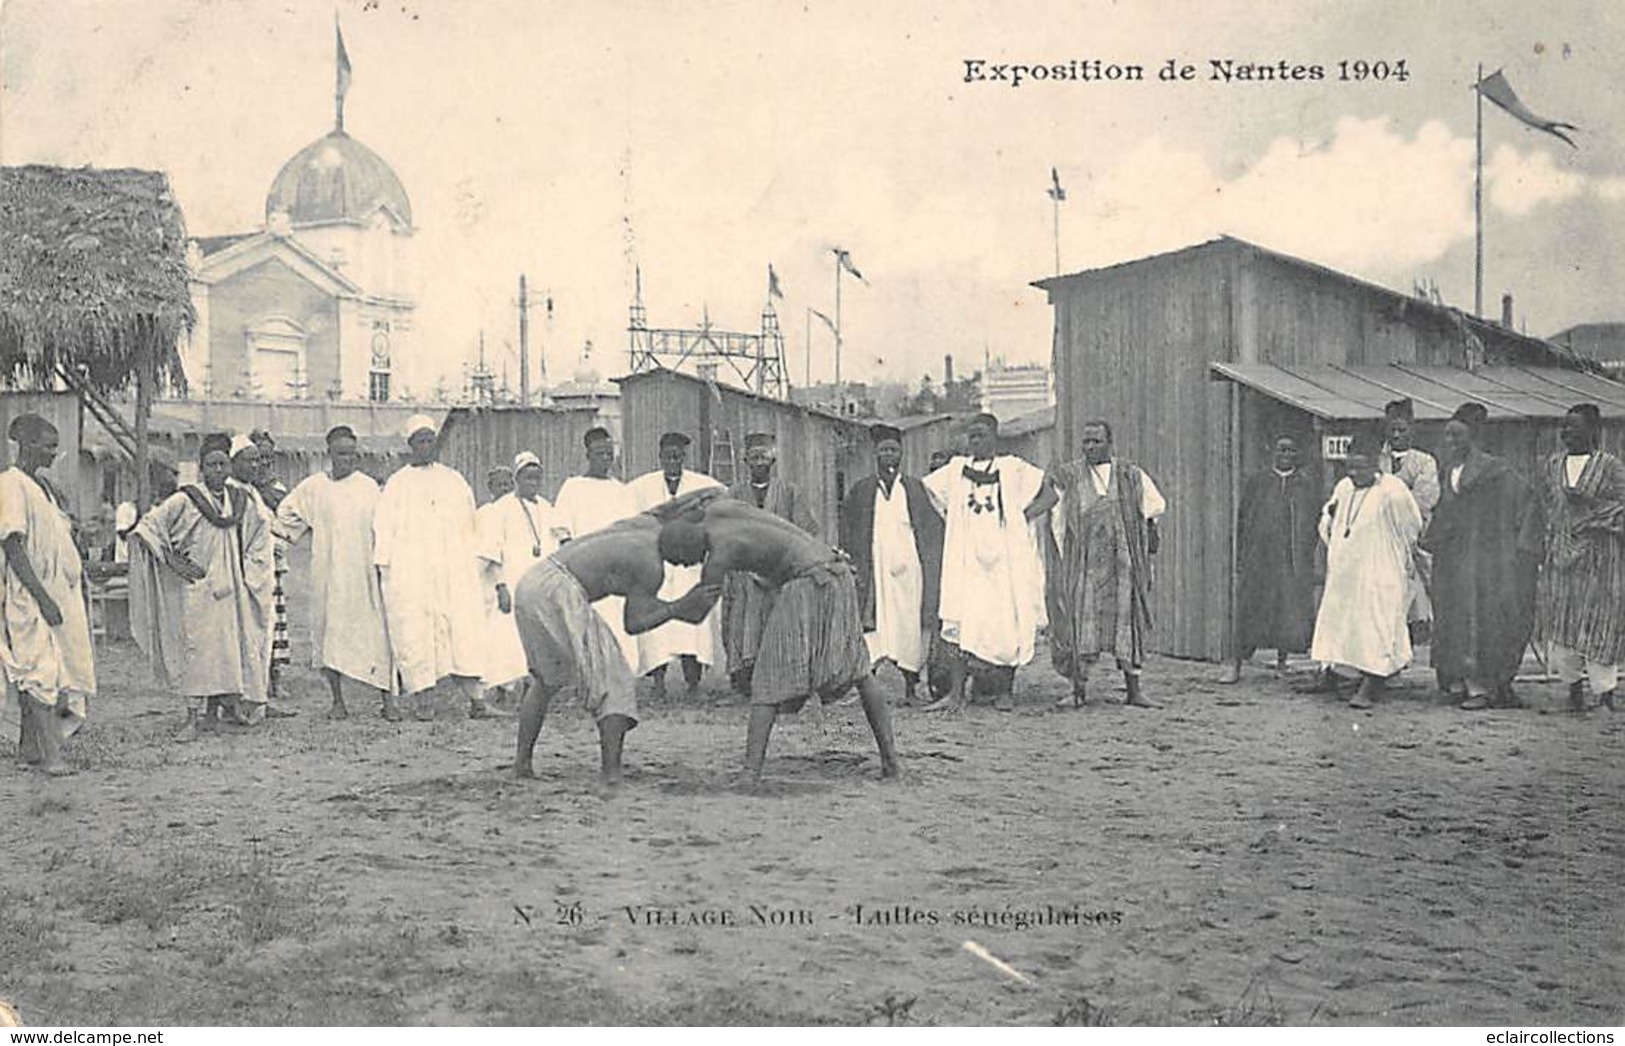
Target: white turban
x=524, y=458
x=417, y=423
x=240, y=443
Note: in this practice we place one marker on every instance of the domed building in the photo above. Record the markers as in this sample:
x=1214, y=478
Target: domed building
x=317, y=304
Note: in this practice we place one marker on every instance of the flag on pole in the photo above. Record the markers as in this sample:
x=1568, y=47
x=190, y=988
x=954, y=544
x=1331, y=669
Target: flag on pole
x=844, y=259
x=1055, y=192
x=1496, y=89
x=773, y=288
x=827, y=321
x=343, y=58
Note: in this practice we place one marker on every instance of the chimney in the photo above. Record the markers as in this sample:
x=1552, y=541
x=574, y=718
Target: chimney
x=1506, y=311
x=947, y=370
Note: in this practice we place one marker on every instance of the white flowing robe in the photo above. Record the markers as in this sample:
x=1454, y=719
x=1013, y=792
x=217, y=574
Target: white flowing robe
x=899, y=583
x=54, y=666
x=219, y=642
x=585, y=505
x=1369, y=538
x=660, y=645
x=992, y=568
x=515, y=535
x=424, y=539
x=347, y=631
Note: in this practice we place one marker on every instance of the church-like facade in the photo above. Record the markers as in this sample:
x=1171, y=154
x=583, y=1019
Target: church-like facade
x=319, y=303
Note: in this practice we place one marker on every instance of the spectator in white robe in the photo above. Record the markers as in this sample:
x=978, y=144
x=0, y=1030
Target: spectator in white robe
x=348, y=639
x=992, y=567
x=694, y=644
x=1419, y=471
x=201, y=578
x=1370, y=527
x=589, y=503
x=501, y=639
x=248, y=466
x=164, y=476
x=45, y=652
x=894, y=536
x=426, y=548
x=516, y=533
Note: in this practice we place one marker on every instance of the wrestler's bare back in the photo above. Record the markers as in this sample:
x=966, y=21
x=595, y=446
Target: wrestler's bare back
x=620, y=560
x=743, y=537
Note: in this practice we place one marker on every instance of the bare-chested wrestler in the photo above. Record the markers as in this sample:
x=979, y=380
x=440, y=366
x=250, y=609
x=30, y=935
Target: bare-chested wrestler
x=812, y=642
x=566, y=642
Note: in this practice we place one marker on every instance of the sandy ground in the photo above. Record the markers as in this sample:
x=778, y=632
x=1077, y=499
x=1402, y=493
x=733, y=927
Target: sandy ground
x=1242, y=855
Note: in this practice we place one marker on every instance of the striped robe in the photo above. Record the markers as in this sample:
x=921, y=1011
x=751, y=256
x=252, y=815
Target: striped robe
x=1580, y=601
x=746, y=599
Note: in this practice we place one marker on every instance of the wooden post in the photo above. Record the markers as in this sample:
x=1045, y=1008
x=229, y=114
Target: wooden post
x=145, y=377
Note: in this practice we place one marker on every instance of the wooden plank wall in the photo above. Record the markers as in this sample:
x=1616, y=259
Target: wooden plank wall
x=940, y=433
x=1132, y=346
x=77, y=479
x=822, y=455
x=475, y=440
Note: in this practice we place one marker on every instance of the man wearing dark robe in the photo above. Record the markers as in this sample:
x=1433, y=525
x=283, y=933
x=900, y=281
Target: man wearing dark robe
x=1276, y=544
x=899, y=581
x=1486, y=546
x=1485, y=542
x=747, y=600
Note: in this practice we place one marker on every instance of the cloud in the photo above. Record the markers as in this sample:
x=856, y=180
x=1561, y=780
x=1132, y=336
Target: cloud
x=1520, y=182
x=1368, y=197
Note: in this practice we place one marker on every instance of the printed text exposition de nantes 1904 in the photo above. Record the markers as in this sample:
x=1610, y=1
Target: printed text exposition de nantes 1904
x=1173, y=70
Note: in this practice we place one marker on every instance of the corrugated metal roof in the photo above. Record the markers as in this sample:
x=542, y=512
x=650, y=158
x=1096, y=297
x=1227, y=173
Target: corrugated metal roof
x=1347, y=393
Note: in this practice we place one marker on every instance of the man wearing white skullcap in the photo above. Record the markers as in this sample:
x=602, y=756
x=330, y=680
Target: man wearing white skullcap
x=516, y=533
x=425, y=547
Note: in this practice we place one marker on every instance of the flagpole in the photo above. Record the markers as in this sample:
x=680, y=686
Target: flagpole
x=806, y=348
x=1478, y=200
x=840, y=389
x=1055, y=203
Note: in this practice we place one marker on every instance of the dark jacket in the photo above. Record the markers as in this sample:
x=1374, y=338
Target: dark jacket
x=858, y=539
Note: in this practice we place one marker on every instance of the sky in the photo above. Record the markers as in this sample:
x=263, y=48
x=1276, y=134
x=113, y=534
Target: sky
x=702, y=141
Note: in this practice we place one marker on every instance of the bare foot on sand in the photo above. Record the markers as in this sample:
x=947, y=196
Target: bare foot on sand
x=338, y=711
x=524, y=771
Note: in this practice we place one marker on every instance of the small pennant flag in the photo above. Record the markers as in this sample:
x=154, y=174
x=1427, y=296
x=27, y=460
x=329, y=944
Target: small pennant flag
x=1055, y=191
x=343, y=59
x=827, y=321
x=1496, y=89
x=773, y=288
x=844, y=259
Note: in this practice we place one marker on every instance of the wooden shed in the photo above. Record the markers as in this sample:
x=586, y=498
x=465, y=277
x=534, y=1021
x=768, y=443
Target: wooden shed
x=476, y=439
x=923, y=435
x=62, y=410
x=1031, y=436
x=1198, y=357
x=820, y=452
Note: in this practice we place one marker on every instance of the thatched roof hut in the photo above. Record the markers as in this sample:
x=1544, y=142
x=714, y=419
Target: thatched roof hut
x=93, y=283
x=92, y=268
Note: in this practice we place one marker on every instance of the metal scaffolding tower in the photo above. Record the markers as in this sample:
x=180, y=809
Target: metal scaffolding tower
x=752, y=361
